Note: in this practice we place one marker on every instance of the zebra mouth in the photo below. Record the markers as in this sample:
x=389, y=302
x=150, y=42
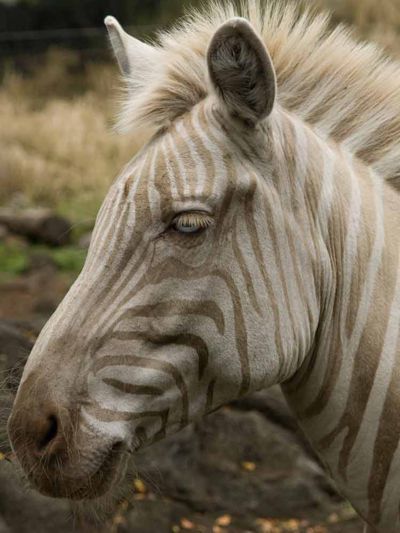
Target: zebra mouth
x=104, y=478
x=51, y=481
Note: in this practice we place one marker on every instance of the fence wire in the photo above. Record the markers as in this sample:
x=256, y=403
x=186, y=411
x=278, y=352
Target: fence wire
x=66, y=33
x=87, y=41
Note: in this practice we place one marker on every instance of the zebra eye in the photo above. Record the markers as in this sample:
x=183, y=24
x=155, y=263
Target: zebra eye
x=192, y=222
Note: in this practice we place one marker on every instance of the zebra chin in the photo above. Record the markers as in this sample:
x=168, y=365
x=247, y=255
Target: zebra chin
x=74, y=475
x=73, y=478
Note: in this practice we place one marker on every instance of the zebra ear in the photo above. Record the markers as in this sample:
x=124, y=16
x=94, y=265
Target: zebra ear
x=135, y=59
x=241, y=71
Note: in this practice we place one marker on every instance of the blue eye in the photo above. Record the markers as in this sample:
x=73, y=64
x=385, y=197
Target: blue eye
x=186, y=229
x=192, y=222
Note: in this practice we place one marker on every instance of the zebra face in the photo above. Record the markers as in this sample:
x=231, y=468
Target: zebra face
x=174, y=313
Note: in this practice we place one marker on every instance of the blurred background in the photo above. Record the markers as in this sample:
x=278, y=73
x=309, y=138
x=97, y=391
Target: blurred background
x=245, y=468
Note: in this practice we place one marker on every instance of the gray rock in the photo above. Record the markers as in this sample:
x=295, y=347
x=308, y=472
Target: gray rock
x=26, y=511
x=14, y=350
x=150, y=516
x=210, y=468
x=273, y=405
x=3, y=235
x=37, y=225
x=3, y=527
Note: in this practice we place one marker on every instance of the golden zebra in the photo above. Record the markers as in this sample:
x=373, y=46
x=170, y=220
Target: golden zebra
x=254, y=240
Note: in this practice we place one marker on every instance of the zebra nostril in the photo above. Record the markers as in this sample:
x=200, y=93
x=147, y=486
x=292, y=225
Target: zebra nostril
x=47, y=433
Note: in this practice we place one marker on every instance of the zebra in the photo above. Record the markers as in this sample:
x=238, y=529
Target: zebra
x=252, y=241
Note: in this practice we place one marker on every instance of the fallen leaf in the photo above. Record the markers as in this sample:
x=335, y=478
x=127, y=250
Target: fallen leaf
x=139, y=497
x=187, y=524
x=2, y=456
x=249, y=466
x=140, y=487
x=333, y=518
x=119, y=520
x=224, y=520
x=291, y=525
x=266, y=526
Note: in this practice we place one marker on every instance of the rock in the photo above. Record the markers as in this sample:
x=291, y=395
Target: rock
x=26, y=511
x=153, y=516
x=238, y=462
x=41, y=261
x=3, y=235
x=273, y=405
x=14, y=350
x=3, y=527
x=40, y=225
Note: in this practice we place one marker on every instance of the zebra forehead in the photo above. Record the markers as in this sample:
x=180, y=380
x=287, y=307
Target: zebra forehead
x=192, y=151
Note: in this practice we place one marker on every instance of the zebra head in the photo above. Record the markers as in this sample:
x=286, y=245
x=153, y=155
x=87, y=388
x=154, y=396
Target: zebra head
x=194, y=289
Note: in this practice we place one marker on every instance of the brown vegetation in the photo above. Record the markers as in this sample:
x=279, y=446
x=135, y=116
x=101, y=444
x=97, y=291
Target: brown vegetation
x=56, y=144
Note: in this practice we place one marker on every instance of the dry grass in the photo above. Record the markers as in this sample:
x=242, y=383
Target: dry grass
x=56, y=144
x=375, y=20
x=366, y=13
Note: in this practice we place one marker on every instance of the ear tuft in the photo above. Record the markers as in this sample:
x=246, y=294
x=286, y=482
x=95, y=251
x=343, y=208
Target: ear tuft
x=241, y=71
x=135, y=58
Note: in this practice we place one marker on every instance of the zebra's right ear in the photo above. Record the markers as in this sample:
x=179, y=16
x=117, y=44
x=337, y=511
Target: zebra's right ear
x=241, y=71
x=136, y=59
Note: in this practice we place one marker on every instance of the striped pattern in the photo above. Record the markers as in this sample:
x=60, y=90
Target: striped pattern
x=295, y=282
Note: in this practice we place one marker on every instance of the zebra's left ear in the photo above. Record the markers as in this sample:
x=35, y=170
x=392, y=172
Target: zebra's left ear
x=241, y=71
x=136, y=59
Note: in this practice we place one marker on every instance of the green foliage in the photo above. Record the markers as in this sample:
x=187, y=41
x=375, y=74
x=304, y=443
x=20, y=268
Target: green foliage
x=68, y=259
x=15, y=259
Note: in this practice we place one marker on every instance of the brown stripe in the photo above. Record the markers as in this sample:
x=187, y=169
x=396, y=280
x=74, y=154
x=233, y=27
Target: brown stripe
x=107, y=415
x=155, y=364
x=243, y=268
x=172, y=165
x=297, y=214
x=279, y=263
x=205, y=308
x=202, y=149
x=162, y=433
x=329, y=364
x=172, y=268
x=210, y=396
x=386, y=444
x=240, y=330
x=180, y=339
x=128, y=388
x=256, y=247
x=372, y=339
x=120, y=260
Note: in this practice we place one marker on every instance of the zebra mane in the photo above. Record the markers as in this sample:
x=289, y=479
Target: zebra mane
x=348, y=91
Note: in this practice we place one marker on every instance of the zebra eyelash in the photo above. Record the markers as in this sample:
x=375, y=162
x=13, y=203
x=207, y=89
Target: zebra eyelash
x=192, y=222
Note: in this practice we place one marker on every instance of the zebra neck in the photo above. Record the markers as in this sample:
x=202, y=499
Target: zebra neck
x=345, y=394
